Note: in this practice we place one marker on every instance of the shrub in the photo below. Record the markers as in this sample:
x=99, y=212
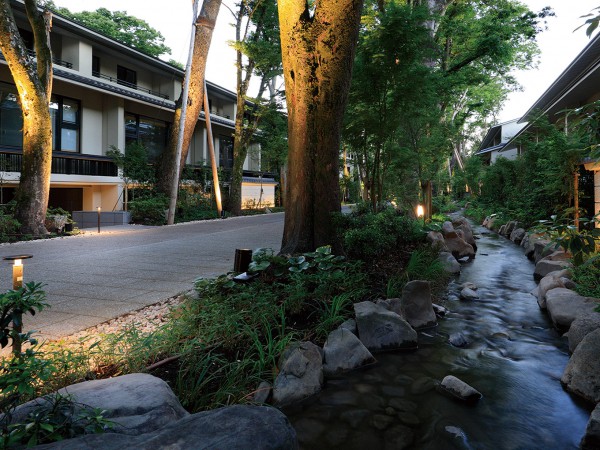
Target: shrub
x=587, y=277
x=149, y=211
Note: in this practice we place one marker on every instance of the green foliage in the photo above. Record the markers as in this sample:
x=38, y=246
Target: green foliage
x=9, y=226
x=120, y=26
x=367, y=236
x=592, y=22
x=56, y=418
x=579, y=243
x=150, y=210
x=13, y=304
x=587, y=277
x=134, y=164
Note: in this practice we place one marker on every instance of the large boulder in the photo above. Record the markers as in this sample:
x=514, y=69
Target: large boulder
x=591, y=439
x=436, y=239
x=565, y=305
x=138, y=403
x=447, y=227
x=300, y=375
x=458, y=246
x=233, y=427
x=546, y=266
x=551, y=281
x=582, y=374
x=517, y=235
x=417, y=308
x=380, y=329
x=343, y=351
x=581, y=327
x=449, y=263
x=510, y=227
x=541, y=249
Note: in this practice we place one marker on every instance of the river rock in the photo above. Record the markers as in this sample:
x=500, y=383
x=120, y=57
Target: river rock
x=551, y=281
x=301, y=374
x=468, y=294
x=582, y=374
x=546, y=266
x=449, y=263
x=416, y=305
x=138, y=403
x=349, y=325
x=591, y=439
x=439, y=310
x=542, y=248
x=233, y=427
x=458, y=340
x=502, y=230
x=457, y=388
x=467, y=234
x=263, y=392
x=458, y=247
x=380, y=329
x=343, y=351
x=469, y=285
x=447, y=227
x=581, y=327
x=517, y=235
x=565, y=305
x=510, y=227
x=436, y=240
x=398, y=437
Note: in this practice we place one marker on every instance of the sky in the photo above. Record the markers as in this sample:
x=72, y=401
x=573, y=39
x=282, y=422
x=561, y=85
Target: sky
x=559, y=45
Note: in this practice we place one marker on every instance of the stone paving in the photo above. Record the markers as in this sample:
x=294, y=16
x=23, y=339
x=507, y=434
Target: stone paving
x=95, y=277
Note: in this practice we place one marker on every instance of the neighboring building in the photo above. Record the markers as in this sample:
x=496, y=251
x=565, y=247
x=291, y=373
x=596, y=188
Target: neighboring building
x=578, y=85
x=496, y=144
x=106, y=94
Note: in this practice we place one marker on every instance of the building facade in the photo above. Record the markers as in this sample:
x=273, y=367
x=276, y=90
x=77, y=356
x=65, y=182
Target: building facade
x=106, y=95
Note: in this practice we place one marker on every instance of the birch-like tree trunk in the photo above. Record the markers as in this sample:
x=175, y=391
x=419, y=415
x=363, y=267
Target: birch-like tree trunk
x=167, y=175
x=34, y=87
x=318, y=45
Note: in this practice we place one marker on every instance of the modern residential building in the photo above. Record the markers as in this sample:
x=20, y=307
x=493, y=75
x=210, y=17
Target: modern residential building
x=496, y=144
x=105, y=95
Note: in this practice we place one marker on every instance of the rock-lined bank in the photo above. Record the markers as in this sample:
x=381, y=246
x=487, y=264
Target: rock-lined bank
x=572, y=314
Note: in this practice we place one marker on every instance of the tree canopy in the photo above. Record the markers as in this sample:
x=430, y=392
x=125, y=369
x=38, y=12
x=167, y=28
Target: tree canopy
x=120, y=26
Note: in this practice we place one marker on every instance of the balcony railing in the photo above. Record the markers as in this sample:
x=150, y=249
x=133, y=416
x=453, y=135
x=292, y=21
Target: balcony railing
x=63, y=164
x=129, y=85
x=57, y=61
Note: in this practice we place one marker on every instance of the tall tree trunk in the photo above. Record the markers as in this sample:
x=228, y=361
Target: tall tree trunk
x=317, y=54
x=205, y=25
x=34, y=86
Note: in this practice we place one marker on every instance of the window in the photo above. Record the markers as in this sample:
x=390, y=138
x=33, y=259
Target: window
x=126, y=77
x=226, y=152
x=65, y=124
x=152, y=133
x=95, y=66
x=64, y=113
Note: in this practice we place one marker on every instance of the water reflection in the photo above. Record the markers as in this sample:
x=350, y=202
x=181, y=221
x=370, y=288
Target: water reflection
x=513, y=356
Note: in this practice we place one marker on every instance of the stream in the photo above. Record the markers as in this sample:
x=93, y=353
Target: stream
x=515, y=358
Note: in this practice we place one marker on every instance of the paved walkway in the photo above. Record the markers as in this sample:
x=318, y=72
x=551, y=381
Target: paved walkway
x=95, y=277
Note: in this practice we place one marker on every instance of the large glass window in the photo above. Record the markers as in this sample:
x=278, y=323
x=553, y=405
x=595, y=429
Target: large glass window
x=152, y=133
x=65, y=124
x=226, y=152
x=64, y=113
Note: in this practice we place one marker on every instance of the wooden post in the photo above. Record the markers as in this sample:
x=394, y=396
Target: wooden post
x=576, y=198
x=211, y=151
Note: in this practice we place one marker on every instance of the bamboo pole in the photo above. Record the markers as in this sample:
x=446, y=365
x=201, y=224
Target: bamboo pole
x=211, y=151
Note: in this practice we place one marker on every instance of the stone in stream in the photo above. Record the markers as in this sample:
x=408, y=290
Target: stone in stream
x=447, y=227
x=468, y=294
x=343, y=351
x=517, y=235
x=469, y=285
x=458, y=389
x=458, y=246
x=565, y=305
x=582, y=374
x=582, y=326
x=541, y=248
x=551, y=281
x=349, y=325
x=380, y=329
x=398, y=437
x=301, y=374
x=458, y=340
x=546, y=266
x=436, y=240
x=416, y=306
x=449, y=263
x=591, y=439
x=439, y=310
x=263, y=392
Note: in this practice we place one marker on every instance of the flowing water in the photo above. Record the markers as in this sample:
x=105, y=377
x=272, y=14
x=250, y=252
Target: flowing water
x=514, y=358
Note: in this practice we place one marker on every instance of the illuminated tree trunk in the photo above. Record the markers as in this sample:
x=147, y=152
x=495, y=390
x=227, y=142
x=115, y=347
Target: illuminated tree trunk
x=317, y=53
x=205, y=24
x=34, y=86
